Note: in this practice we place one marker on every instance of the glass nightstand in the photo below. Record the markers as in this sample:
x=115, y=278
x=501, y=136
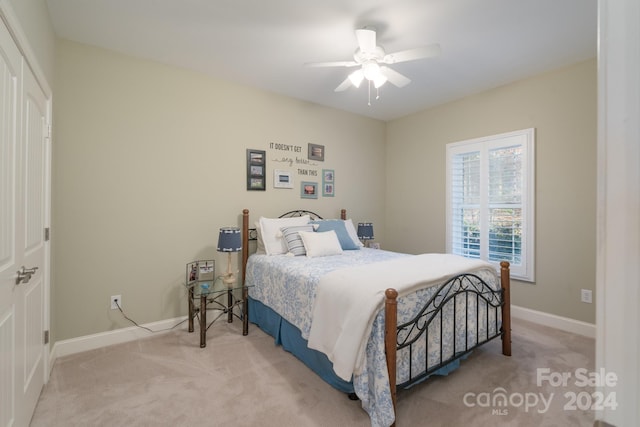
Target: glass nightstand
x=216, y=296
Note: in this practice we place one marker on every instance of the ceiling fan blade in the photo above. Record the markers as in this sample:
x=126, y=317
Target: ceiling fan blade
x=395, y=77
x=343, y=86
x=331, y=64
x=366, y=39
x=428, y=51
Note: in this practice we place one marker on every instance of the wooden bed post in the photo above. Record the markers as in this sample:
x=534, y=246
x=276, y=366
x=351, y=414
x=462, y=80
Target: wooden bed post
x=390, y=340
x=505, y=281
x=343, y=214
x=245, y=256
x=245, y=241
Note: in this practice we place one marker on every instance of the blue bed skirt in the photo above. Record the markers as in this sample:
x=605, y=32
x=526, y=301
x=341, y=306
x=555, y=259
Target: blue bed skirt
x=290, y=338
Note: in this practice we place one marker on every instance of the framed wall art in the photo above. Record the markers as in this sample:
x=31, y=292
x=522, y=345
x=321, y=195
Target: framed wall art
x=328, y=183
x=256, y=170
x=282, y=179
x=308, y=190
x=316, y=152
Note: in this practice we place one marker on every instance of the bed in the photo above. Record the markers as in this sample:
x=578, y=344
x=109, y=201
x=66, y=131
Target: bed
x=369, y=321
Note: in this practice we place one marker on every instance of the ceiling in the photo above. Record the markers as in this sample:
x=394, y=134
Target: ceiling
x=264, y=43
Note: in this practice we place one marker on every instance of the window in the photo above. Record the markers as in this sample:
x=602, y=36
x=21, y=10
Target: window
x=490, y=200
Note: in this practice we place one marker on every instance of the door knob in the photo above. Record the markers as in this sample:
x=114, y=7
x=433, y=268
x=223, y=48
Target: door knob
x=24, y=274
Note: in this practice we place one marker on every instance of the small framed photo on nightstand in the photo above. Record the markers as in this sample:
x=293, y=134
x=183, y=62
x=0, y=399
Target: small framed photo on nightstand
x=192, y=272
x=201, y=270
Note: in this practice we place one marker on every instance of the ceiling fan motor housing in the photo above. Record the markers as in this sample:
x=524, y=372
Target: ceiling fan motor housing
x=375, y=55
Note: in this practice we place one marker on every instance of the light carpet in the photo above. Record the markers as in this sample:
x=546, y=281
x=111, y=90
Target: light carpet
x=168, y=380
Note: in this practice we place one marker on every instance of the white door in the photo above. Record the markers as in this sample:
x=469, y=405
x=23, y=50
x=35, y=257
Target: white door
x=23, y=199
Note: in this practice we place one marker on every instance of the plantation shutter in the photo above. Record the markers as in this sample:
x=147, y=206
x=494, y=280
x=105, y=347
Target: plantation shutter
x=466, y=204
x=490, y=200
x=505, y=204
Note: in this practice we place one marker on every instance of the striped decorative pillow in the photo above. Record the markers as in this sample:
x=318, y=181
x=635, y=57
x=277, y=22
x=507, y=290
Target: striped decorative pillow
x=293, y=240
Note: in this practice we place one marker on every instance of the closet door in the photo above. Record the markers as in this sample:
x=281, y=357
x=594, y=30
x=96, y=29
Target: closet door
x=10, y=83
x=23, y=171
x=31, y=294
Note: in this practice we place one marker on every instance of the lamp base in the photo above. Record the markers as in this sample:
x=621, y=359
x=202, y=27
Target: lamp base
x=229, y=279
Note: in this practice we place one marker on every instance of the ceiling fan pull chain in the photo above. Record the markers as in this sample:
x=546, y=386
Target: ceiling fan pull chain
x=377, y=93
x=369, y=86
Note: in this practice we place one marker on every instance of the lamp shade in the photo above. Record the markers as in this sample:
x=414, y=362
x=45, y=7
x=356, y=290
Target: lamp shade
x=365, y=231
x=229, y=240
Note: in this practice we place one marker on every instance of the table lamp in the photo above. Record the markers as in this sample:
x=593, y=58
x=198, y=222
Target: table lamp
x=365, y=231
x=229, y=241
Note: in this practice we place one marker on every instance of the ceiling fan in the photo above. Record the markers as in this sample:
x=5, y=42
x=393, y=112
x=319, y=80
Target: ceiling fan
x=372, y=62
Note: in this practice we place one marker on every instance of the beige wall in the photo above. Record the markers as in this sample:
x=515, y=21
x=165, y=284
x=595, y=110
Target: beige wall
x=561, y=106
x=149, y=162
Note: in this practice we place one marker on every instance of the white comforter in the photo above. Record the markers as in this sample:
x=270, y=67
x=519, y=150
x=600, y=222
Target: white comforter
x=341, y=325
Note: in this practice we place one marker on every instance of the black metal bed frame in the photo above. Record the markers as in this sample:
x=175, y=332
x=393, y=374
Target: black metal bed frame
x=253, y=233
x=416, y=331
x=300, y=212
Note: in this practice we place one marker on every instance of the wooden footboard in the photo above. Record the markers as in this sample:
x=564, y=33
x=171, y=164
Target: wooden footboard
x=392, y=329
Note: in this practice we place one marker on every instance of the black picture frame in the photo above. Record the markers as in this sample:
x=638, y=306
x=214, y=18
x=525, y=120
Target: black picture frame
x=256, y=170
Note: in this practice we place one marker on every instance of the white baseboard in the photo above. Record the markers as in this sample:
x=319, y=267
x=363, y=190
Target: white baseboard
x=553, y=321
x=118, y=336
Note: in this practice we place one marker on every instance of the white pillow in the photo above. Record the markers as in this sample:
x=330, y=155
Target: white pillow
x=321, y=244
x=260, y=250
x=351, y=230
x=274, y=244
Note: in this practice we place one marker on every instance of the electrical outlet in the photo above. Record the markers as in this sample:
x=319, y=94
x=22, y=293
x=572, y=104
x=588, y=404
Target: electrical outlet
x=115, y=298
x=585, y=296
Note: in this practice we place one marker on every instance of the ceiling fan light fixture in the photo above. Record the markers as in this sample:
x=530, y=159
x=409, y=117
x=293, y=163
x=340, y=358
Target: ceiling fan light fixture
x=379, y=81
x=356, y=77
x=371, y=70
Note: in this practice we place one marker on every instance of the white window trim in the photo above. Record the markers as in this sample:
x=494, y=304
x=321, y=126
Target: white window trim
x=527, y=270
